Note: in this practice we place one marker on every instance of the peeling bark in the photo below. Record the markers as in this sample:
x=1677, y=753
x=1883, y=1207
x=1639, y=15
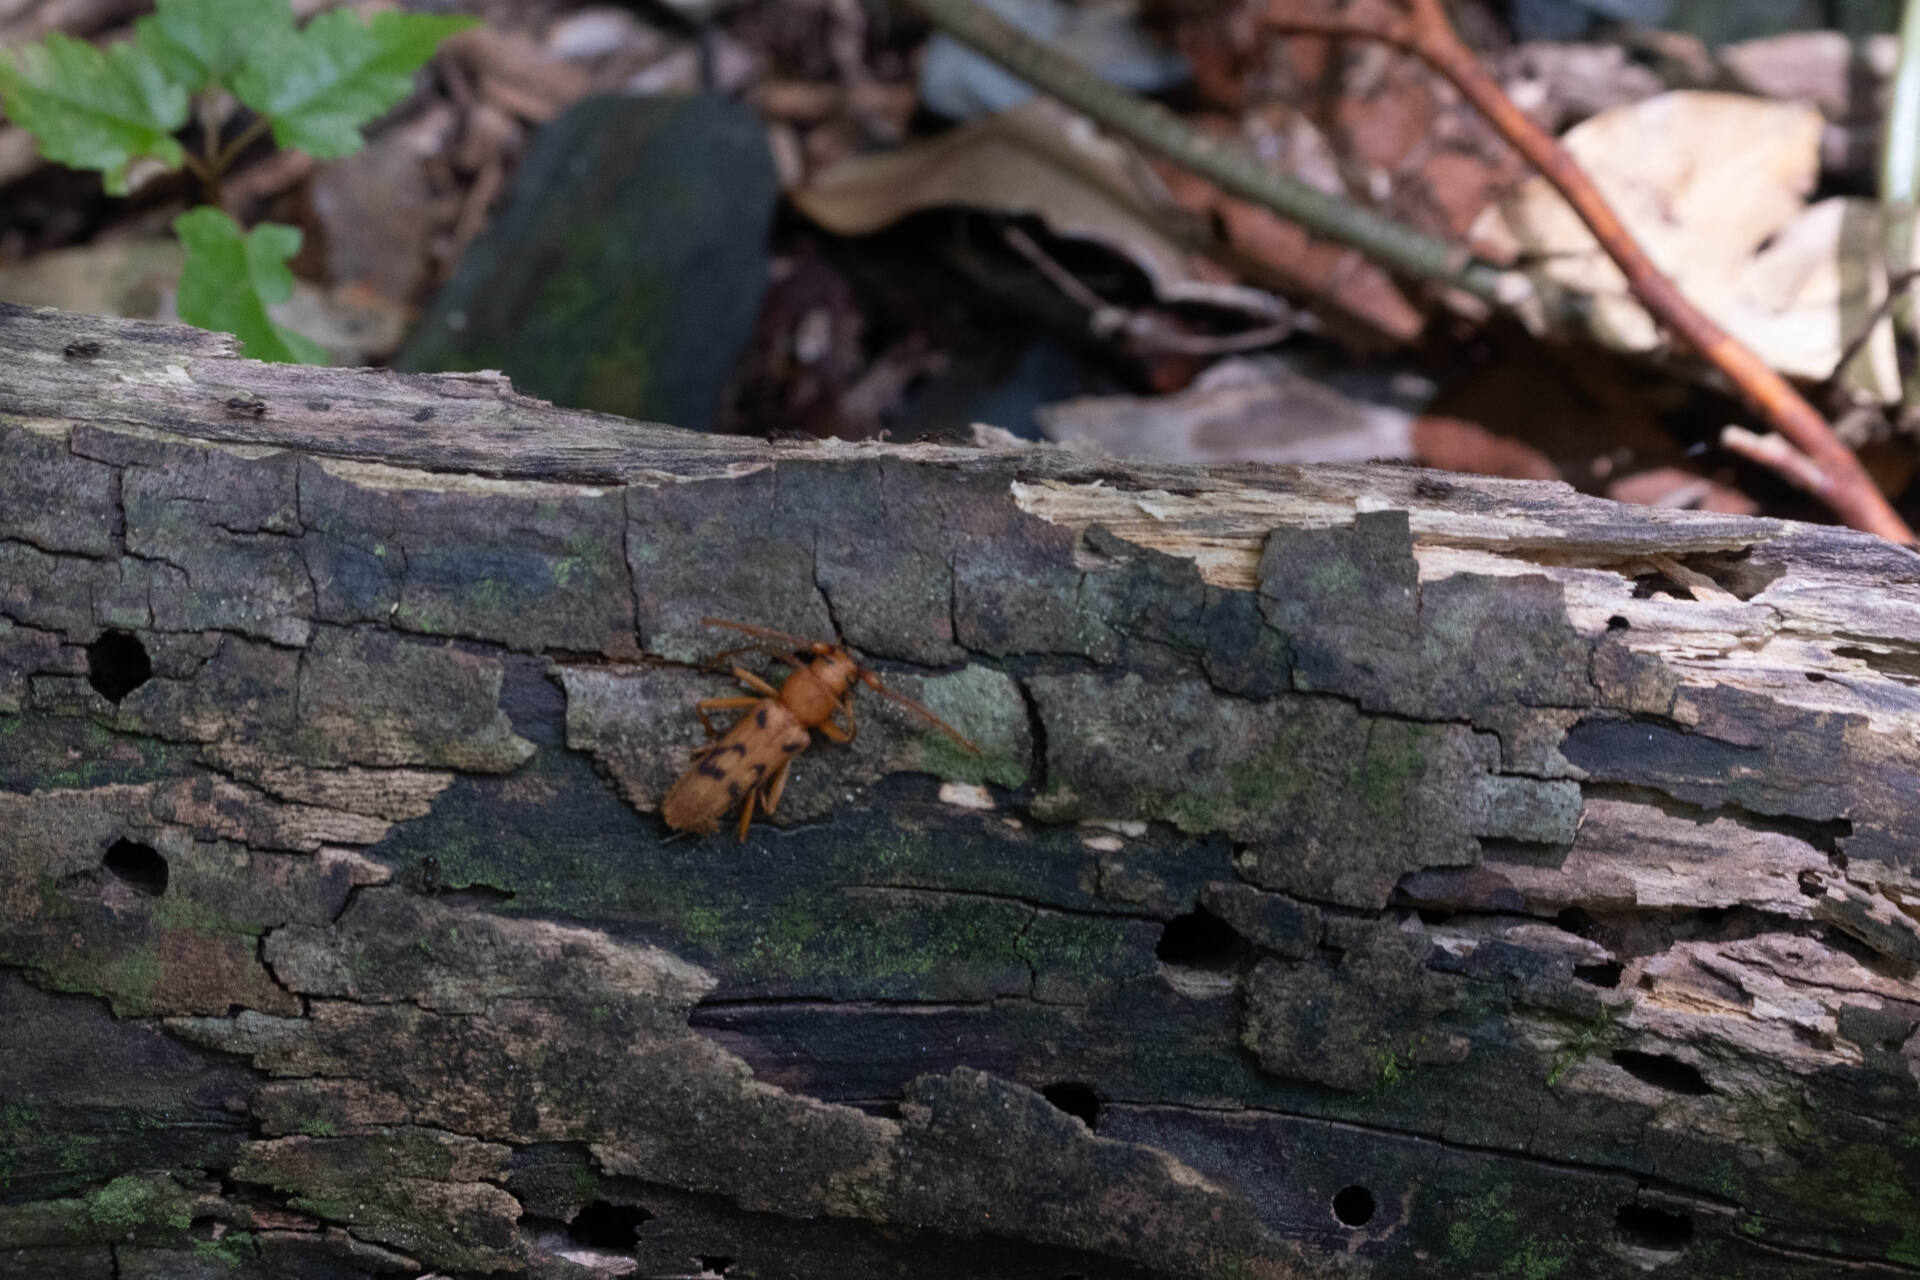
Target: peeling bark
x=1366, y=872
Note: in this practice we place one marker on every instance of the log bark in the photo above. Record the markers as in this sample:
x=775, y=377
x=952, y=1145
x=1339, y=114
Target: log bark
x=1367, y=871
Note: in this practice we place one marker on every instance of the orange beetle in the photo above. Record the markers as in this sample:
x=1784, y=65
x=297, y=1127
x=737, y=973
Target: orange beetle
x=748, y=765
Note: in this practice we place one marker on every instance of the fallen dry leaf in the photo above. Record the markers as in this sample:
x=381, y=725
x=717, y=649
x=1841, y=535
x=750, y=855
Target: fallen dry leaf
x=1846, y=79
x=1680, y=489
x=1358, y=301
x=1714, y=187
x=1257, y=409
x=1040, y=159
x=139, y=278
x=516, y=74
x=376, y=210
x=1559, y=84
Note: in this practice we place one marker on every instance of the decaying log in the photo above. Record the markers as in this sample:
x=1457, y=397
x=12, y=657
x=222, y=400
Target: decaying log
x=1366, y=871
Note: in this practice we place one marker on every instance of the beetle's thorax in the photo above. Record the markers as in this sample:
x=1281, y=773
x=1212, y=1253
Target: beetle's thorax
x=812, y=692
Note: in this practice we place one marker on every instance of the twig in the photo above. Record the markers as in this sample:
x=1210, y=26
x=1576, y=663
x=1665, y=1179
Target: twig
x=1896, y=287
x=1231, y=167
x=1145, y=333
x=1063, y=280
x=1773, y=452
x=1831, y=472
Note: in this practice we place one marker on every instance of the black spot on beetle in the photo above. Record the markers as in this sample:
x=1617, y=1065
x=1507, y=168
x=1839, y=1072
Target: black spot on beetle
x=733, y=790
x=794, y=745
x=760, y=717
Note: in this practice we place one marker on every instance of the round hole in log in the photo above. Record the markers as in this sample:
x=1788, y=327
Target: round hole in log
x=139, y=866
x=1353, y=1206
x=117, y=664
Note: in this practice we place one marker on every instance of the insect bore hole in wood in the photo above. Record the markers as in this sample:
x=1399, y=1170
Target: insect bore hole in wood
x=1604, y=973
x=1200, y=940
x=1076, y=1099
x=1662, y=1072
x=1353, y=1206
x=139, y=866
x=1655, y=1230
x=602, y=1225
x=117, y=664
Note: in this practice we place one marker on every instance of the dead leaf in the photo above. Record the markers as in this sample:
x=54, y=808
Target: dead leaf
x=1257, y=409
x=516, y=74
x=1677, y=488
x=1846, y=79
x=1360, y=302
x=19, y=153
x=375, y=208
x=1535, y=413
x=1714, y=185
x=1447, y=443
x=1041, y=159
x=603, y=31
x=131, y=278
x=1558, y=84
x=139, y=280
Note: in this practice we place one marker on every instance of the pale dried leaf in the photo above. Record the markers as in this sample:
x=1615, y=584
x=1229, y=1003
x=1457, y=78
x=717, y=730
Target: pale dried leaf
x=1241, y=410
x=1714, y=188
x=1038, y=158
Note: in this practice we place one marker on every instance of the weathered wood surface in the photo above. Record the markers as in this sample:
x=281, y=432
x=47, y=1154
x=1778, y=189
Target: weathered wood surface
x=1368, y=872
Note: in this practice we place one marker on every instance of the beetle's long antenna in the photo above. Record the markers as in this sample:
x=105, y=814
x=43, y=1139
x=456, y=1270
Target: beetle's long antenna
x=768, y=632
x=872, y=682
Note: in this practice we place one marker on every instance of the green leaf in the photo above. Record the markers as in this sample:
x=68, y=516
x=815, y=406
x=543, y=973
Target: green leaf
x=203, y=41
x=230, y=279
x=320, y=85
x=93, y=108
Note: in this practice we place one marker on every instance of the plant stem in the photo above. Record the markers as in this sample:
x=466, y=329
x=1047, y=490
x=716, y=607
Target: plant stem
x=1900, y=172
x=1231, y=167
x=244, y=139
x=209, y=172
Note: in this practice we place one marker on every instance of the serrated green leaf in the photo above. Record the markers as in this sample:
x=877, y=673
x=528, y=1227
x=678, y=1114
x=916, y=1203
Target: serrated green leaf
x=319, y=86
x=230, y=280
x=93, y=108
x=203, y=41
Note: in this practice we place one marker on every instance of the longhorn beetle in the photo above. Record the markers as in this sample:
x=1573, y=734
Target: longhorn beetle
x=749, y=764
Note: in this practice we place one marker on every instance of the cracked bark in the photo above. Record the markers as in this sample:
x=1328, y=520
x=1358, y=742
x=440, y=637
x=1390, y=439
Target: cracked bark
x=1402, y=874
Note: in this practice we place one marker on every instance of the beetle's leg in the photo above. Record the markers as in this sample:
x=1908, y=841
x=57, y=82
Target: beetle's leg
x=755, y=683
x=705, y=705
x=846, y=709
x=774, y=787
x=746, y=813
x=833, y=731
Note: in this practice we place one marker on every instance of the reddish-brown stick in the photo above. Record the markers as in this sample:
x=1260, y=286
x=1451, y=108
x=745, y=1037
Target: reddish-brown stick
x=1830, y=471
